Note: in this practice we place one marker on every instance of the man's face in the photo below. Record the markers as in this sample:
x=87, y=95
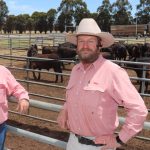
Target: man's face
x=87, y=48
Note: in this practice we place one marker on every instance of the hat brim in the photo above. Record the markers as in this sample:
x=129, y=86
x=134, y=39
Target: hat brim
x=106, y=38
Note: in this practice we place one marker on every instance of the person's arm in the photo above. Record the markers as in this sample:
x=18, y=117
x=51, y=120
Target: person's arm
x=125, y=94
x=14, y=88
x=63, y=118
x=23, y=106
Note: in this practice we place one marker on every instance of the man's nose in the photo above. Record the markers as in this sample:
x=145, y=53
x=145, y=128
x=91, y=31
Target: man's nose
x=85, y=44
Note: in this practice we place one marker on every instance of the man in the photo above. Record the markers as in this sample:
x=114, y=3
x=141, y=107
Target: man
x=95, y=90
x=9, y=86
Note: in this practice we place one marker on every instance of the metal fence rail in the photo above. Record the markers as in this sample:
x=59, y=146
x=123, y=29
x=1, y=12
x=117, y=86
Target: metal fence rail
x=37, y=137
x=54, y=107
x=57, y=108
x=49, y=140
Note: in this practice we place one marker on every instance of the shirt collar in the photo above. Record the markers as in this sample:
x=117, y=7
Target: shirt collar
x=96, y=64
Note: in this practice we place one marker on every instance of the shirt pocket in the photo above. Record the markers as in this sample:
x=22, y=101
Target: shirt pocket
x=93, y=94
x=93, y=87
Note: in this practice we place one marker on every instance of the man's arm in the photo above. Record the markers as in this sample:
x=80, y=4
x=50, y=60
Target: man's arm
x=63, y=118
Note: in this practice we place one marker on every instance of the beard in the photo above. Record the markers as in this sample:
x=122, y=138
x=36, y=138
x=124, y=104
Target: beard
x=88, y=55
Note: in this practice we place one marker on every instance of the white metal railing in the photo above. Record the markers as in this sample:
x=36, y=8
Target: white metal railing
x=37, y=137
x=45, y=139
x=57, y=108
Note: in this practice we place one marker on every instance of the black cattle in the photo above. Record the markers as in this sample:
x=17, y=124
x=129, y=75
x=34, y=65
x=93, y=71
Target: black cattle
x=67, y=51
x=49, y=49
x=146, y=49
x=44, y=64
x=119, y=51
x=68, y=45
x=134, y=51
x=107, y=53
x=139, y=71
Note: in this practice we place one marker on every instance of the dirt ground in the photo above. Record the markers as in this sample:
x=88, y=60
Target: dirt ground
x=15, y=142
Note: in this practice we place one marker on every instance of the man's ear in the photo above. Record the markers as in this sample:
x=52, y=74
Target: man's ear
x=99, y=45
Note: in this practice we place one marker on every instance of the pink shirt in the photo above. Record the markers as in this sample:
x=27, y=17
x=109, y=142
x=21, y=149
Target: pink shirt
x=9, y=86
x=92, y=100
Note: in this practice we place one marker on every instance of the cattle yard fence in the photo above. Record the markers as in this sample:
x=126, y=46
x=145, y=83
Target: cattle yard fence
x=11, y=60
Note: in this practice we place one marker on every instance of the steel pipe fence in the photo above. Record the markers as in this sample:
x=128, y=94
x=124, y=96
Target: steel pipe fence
x=57, y=108
x=143, y=79
x=24, y=40
x=37, y=137
x=20, y=58
x=54, y=107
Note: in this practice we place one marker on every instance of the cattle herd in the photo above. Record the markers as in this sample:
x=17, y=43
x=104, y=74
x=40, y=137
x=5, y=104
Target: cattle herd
x=52, y=56
x=67, y=51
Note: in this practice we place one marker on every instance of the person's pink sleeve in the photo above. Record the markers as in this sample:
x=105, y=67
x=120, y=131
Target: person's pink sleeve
x=124, y=93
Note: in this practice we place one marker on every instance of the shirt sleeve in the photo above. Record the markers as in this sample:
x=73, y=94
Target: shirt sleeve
x=126, y=94
x=14, y=88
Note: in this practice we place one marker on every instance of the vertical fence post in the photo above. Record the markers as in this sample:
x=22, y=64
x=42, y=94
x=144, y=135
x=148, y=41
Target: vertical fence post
x=143, y=82
x=10, y=47
x=28, y=67
x=29, y=38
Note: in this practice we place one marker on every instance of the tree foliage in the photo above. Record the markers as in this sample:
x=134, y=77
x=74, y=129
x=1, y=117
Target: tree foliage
x=3, y=13
x=72, y=12
x=104, y=15
x=69, y=14
x=143, y=12
x=51, y=16
x=121, y=12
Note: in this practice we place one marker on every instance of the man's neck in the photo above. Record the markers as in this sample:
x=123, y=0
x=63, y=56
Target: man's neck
x=86, y=65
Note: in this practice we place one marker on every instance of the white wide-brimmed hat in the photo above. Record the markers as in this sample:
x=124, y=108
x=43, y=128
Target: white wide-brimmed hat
x=88, y=26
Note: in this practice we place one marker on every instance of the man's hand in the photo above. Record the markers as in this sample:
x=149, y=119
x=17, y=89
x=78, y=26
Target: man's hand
x=62, y=119
x=109, y=141
x=23, y=106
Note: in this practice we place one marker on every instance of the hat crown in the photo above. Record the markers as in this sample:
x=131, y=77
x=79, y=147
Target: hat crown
x=88, y=26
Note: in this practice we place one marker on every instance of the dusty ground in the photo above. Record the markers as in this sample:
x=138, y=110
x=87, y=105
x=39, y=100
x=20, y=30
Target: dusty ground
x=14, y=142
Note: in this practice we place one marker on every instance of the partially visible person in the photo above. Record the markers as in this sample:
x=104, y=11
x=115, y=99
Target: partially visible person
x=95, y=90
x=10, y=87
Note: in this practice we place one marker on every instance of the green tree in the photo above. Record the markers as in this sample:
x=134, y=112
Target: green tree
x=9, y=25
x=143, y=13
x=80, y=11
x=3, y=13
x=72, y=12
x=20, y=23
x=121, y=12
x=35, y=16
x=60, y=23
x=40, y=21
x=51, y=16
x=104, y=15
x=29, y=24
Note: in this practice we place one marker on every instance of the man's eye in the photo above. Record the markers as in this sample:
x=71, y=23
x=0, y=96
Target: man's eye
x=91, y=41
x=80, y=41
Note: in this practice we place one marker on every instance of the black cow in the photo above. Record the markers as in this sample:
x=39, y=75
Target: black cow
x=139, y=71
x=44, y=64
x=49, y=49
x=119, y=51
